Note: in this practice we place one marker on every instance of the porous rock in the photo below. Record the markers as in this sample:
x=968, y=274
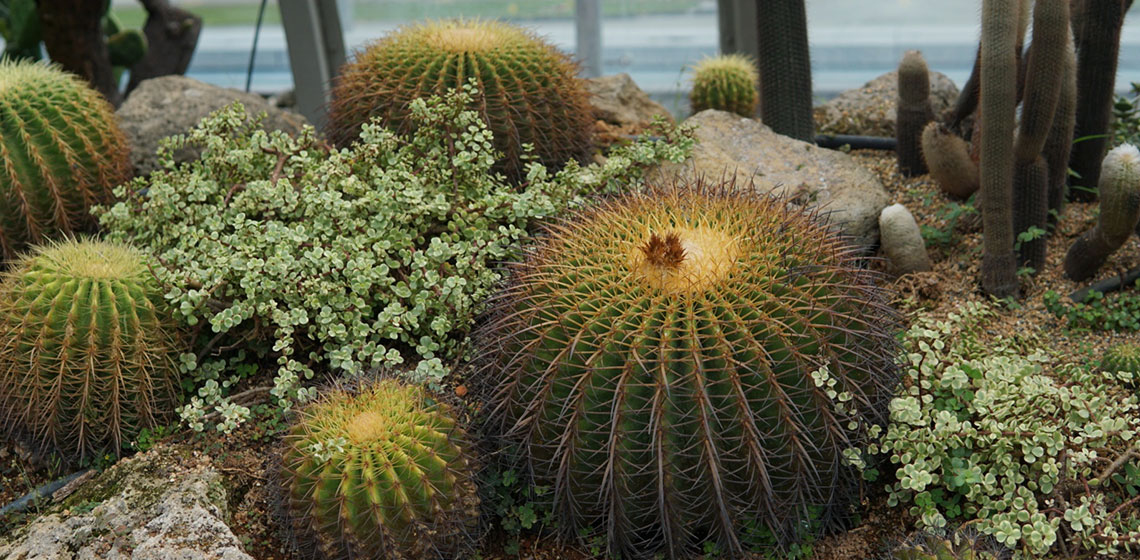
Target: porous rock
x=733, y=148
x=870, y=110
x=618, y=101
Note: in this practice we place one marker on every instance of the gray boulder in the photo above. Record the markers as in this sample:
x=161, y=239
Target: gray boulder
x=870, y=110
x=171, y=105
x=618, y=101
x=162, y=504
x=736, y=148
x=902, y=240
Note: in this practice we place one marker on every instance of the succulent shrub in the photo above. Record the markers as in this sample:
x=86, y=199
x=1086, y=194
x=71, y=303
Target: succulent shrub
x=530, y=91
x=87, y=349
x=382, y=471
x=726, y=83
x=1097, y=312
x=1122, y=357
x=353, y=258
x=62, y=153
x=661, y=360
x=1001, y=435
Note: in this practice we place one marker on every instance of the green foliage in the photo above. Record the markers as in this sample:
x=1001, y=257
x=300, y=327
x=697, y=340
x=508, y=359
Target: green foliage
x=726, y=83
x=517, y=506
x=1126, y=118
x=62, y=151
x=87, y=349
x=531, y=94
x=381, y=471
x=657, y=364
x=951, y=215
x=998, y=435
x=356, y=258
x=1098, y=312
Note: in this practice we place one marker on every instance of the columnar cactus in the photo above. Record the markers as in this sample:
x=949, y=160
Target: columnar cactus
x=726, y=83
x=687, y=365
x=1119, y=214
x=1059, y=143
x=912, y=112
x=62, y=153
x=530, y=93
x=381, y=471
x=87, y=351
x=785, y=68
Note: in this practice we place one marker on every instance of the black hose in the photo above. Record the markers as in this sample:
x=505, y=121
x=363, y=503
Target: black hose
x=47, y=489
x=253, y=50
x=836, y=141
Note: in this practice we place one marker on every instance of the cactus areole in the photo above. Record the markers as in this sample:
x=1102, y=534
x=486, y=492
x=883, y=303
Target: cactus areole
x=657, y=364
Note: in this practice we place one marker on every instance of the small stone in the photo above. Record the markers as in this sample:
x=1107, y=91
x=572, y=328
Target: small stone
x=902, y=241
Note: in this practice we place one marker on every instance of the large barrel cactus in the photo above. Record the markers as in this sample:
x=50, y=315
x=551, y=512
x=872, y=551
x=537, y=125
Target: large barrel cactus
x=530, y=93
x=61, y=153
x=87, y=351
x=380, y=472
x=692, y=364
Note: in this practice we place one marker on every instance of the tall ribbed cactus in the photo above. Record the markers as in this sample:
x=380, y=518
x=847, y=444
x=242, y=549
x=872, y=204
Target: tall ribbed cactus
x=785, y=68
x=529, y=91
x=61, y=153
x=381, y=471
x=1059, y=143
x=1119, y=214
x=725, y=83
x=1098, y=47
x=658, y=359
x=87, y=351
x=913, y=111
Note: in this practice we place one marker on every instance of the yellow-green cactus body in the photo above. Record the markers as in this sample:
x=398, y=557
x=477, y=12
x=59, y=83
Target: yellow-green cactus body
x=726, y=83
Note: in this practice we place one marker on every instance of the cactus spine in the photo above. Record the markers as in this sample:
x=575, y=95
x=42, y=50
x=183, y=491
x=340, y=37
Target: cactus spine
x=725, y=83
x=913, y=112
x=948, y=157
x=61, y=153
x=86, y=349
x=380, y=472
x=1123, y=356
x=653, y=361
x=785, y=68
x=1098, y=47
x=1119, y=214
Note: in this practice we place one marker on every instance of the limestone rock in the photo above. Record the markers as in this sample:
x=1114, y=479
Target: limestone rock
x=170, y=105
x=162, y=504
x=618, y=101
x=733, y=147
x=870, y=110
x=902, y=240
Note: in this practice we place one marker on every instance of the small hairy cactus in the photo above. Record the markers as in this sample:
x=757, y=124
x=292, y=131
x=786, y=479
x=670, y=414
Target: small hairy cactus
x=62, y=153
x=530, y=91
x=726, y=83
x=912, y=113
x=948, y=157
x=381, y=471
x=690, y=364
x=1119, y=214
x=87, y=351
x=1124, y=356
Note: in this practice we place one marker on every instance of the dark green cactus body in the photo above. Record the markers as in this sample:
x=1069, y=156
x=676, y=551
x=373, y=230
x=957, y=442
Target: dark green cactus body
x=1124, y=356
x=1098, y=47
x=380, y=472
x=725, y=83
x=61, y=152
x=785, y=68
x=529, y=93
x=1119, y=214
x=653, y=361
x=1059, y=143
x=912, y=113
x=87, y=354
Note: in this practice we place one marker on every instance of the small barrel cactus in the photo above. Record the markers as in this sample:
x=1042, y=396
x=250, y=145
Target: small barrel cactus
x=381, y=471
x=1124, y=356
x=726, y=83
x=688, y=364
x=62, y=153
x=530, y=93
x=87, y=349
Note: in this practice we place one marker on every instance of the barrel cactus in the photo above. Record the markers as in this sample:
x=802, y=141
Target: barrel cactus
x=1122, y=357
x=87, y=350
x=726, y=83
x=685, y=365
x=62, y=153
x=380, y=471
x=530, y=91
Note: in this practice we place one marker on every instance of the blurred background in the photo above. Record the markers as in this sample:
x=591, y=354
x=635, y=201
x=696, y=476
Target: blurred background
x=655, y=41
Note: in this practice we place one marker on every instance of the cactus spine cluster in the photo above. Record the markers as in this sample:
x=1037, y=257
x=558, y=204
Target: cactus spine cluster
x=530, y=93
x=381, y=471
x=1119, y=214
x=87, y=353
x=912, y=113
x=725, y=83
x=1124, y=356
x=657, y=360
x=785, y=68
x=62, y=152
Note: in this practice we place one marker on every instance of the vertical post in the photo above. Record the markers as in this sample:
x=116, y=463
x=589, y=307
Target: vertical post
x=316, y=51
x=736, y=22
x=588, y=25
